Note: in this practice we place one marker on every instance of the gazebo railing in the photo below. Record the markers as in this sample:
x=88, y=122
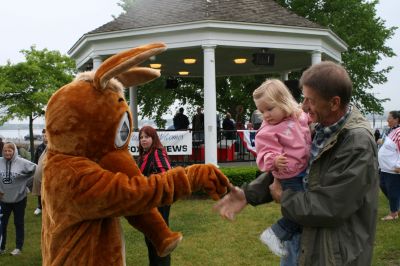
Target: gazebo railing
x=230, y=148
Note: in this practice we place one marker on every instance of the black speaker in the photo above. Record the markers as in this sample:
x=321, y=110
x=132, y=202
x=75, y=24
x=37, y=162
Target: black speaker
x=263, y=59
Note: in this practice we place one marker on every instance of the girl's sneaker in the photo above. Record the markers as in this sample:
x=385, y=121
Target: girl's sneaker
x=269, y=238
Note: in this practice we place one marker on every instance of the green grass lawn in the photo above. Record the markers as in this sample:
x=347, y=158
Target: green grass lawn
x=208, y=240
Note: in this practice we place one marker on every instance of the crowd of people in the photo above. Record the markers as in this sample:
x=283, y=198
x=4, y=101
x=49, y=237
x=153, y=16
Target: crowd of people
x=320, y=160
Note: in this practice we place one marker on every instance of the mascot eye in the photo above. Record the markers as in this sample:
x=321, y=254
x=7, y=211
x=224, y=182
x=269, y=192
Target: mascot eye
x=123, y=131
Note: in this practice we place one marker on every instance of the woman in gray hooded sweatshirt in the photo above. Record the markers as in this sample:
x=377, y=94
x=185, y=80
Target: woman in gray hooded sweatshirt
x=15, y=173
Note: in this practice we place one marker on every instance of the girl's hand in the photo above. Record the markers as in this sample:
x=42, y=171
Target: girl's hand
x=281, y=162
x=276, y=190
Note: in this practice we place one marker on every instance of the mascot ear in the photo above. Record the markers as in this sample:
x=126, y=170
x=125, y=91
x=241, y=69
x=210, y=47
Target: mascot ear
x=138, y=76
x=122, y=66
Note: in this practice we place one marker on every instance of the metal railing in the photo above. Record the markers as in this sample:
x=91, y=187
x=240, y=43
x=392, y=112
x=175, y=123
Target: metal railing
x=230, y=148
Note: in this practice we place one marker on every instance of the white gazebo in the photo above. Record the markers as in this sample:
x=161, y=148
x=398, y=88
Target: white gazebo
x=214, y=32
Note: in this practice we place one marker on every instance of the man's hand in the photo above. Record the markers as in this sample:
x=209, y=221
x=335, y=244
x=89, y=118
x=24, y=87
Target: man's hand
x=397, y=170
x=276, y=190
x=209, y=178
x=281, y=162
x=230, y=205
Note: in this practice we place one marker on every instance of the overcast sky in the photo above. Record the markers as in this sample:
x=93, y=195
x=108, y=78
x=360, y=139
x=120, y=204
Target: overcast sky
x=57, y=25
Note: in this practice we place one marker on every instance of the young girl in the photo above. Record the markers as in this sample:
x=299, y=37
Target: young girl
x=283, y=147
x=153, y=159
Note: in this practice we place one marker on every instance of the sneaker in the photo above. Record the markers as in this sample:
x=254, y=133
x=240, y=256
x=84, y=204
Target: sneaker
x=37, y=211
x=15, y=252
x=269, y=238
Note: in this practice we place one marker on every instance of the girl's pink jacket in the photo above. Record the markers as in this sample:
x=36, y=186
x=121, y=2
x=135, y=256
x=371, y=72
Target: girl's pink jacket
x=291, y=137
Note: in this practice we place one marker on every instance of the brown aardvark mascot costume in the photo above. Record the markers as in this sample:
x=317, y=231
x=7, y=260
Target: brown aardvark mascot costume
x=90, y=178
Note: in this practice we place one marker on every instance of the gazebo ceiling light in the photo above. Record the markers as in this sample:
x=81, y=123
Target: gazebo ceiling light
x=155, y=65
x=240, y=60
x=189, y=61
x=183, y=73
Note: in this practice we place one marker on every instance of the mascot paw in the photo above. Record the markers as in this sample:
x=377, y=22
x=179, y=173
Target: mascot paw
x=209, y=178
x=169, y=244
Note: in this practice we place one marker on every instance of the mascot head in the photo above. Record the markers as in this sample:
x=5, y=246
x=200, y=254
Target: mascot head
x=90, y=117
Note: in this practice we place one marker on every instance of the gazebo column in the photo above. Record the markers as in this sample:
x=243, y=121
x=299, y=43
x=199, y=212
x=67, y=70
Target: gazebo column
x=97, y=60
x=316, y=57
x=133, y=105
x=210, y=105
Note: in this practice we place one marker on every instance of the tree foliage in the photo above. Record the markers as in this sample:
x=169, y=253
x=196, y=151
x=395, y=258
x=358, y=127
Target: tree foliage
x=125, y=5
x=25, y=87
x=356, y=23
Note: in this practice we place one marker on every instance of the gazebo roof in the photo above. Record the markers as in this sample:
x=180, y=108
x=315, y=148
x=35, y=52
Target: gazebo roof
x=237, y=28
x=148, y=13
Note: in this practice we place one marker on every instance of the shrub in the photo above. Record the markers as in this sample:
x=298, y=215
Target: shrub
x=240, y=175
x=237, y=175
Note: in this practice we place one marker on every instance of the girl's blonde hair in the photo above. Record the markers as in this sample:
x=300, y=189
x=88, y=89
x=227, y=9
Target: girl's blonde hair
x=276, y=92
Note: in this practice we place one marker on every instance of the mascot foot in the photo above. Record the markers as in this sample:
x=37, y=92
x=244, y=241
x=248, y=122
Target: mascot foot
x=169, y=244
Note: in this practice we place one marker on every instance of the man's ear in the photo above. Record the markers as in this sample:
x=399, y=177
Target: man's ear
x=335, y=103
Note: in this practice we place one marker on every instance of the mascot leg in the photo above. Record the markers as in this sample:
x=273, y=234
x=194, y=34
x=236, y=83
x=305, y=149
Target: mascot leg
x=153, y=226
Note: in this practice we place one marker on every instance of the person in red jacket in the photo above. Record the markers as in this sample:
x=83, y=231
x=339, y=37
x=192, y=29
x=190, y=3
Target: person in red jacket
x=153, y=159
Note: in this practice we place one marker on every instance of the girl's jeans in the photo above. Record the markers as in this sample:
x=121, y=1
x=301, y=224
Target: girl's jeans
x=284, y=228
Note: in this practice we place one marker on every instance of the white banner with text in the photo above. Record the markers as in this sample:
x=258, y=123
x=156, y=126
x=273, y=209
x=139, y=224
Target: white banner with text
x=175, y=142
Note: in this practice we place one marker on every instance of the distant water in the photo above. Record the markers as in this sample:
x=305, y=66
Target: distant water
x=17, y=133
x=20, y=131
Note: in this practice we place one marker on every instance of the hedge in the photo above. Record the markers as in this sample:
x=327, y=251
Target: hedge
x=240, y=174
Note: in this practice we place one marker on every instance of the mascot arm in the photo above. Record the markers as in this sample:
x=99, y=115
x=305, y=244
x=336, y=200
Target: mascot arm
x=100, y=192
x=195, y=177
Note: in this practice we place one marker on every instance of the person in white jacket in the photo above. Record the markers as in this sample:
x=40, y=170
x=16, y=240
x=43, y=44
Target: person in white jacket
x=15, y=173
x=389, y=163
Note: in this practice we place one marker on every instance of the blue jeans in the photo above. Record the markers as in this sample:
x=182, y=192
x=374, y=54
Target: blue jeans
x=18, y=208
x=1, y=229
x=390, y=186
x=284, y=228
x=293, y=248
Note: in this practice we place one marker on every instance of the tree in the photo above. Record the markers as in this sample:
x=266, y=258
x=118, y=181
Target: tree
x=125, y=5
x=355, y=22
x=26, y=87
